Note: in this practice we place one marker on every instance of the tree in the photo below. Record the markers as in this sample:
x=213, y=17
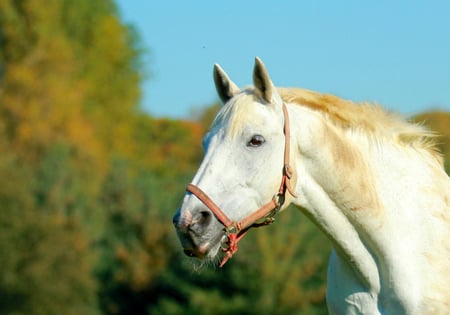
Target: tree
x=45, y=265
x=69, y=97
x=63, y=80
x=133, y=243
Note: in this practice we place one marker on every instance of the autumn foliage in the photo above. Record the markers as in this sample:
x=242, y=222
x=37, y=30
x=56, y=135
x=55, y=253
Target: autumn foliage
x=90, y=183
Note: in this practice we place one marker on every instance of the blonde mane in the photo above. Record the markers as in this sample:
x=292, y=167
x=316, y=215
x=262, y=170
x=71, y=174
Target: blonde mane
x=369, y=118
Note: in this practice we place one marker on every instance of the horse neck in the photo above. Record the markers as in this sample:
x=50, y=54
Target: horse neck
x=326, y=173
x=365, y=197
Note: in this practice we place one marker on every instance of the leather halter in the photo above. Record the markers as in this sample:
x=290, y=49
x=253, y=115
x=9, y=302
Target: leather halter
x=236, y=230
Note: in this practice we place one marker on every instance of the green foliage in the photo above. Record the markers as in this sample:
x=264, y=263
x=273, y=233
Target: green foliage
x=55, y=146
x=45, y=265
x=170, y=148
x=90, y=183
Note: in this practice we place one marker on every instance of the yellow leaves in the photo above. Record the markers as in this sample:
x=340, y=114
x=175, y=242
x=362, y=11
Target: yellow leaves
x=110, y=36
x=77, y=90
x=41, y=99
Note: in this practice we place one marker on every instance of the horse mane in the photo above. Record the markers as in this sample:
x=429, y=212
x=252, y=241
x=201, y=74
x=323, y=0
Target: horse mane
x=369, y=118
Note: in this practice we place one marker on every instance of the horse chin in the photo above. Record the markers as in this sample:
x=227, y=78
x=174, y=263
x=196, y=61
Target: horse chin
x=212, y=255
x=207, y=250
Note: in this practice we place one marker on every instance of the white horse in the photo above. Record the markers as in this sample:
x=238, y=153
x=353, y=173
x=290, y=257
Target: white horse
x=373, y=183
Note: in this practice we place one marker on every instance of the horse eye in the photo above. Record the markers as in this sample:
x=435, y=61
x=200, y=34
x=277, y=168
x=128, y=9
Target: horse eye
x=256, y=141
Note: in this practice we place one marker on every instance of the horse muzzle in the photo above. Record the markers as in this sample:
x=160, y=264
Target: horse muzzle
x=194, y=230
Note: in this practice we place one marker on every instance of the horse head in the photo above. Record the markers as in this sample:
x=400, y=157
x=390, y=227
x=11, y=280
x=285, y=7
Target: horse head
x=239, y=173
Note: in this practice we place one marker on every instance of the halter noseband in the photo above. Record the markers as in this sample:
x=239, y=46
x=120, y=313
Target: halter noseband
x=236, y=230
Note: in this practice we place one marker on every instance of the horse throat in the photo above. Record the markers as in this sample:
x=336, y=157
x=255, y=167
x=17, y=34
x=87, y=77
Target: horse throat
x=350, y=242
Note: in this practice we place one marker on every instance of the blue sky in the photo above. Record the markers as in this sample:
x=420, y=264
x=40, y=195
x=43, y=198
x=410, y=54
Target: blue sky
x=395, y=53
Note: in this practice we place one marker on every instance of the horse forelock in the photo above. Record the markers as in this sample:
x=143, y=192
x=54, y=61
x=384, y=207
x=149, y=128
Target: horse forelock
x=236, y=113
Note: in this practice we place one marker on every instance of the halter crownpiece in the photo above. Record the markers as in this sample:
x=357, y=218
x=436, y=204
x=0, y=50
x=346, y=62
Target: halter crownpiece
x=235, y=231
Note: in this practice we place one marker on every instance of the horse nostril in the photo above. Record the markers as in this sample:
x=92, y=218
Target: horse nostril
x=205, y=217
x=189, y=252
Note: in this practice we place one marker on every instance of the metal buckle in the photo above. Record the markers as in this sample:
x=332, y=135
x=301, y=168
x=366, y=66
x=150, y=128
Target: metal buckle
x=232, y=229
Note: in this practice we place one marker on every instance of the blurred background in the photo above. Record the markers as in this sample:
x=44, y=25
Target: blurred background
x=92, y=167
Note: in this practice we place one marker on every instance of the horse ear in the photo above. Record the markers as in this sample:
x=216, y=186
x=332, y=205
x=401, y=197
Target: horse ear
x=262, y=81
x=224, y=86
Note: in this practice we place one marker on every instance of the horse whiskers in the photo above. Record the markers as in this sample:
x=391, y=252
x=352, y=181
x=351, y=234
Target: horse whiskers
x=198, y=264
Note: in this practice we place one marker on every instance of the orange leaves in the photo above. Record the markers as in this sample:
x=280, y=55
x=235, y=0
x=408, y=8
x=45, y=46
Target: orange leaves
x=140, y=265
x=169, y=147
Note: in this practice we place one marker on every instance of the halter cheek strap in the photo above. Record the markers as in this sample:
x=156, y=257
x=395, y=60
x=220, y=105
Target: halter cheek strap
x=236, y=230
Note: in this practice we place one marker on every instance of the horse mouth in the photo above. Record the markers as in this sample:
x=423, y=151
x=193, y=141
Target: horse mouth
x=198, y=252
x=208, y=249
